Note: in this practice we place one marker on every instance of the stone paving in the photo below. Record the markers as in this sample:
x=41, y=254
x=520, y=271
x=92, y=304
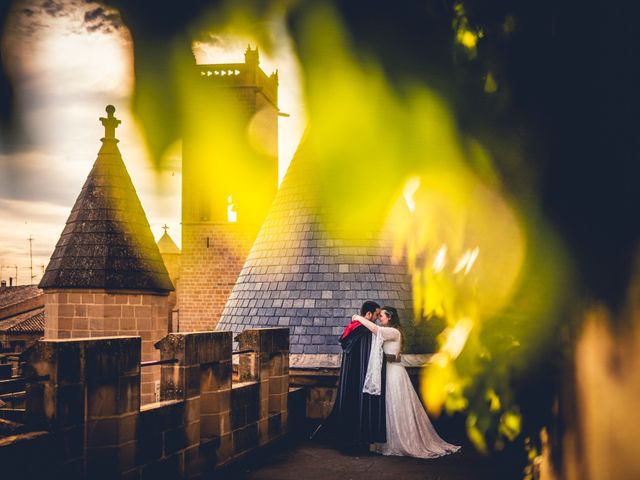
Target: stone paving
x=308, y=460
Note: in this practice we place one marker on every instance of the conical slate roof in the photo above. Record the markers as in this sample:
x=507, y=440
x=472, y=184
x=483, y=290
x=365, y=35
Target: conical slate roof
x=301, y=276
x=107, y=242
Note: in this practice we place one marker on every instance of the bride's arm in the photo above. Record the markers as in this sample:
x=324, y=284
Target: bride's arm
x=367, y=323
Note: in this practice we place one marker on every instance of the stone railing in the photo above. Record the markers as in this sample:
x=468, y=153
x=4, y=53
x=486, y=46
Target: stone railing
x=89, y=406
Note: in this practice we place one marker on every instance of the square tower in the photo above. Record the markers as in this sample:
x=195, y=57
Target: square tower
x=229, y=180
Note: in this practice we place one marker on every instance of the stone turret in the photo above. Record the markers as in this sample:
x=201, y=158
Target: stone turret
x=106, y=276
x=306, y=276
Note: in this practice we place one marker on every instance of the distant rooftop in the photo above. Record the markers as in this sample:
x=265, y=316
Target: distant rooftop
x=107, y=242
x=12, y=295
x=28, y=322
x=166, y=245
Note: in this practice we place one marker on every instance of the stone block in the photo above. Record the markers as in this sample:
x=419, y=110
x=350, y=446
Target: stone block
x=244, y=394
x=277, y=403
x=87, y=298
x=210, y=402
x=143, y=311
x=263, y=431
x=225, y=400
x=192, y=409
x=225, y=422
x=275, y=426
x=276, y=365
x=181, y=438
x=112, y=357
x=264, y=407
x=64, y=324
x=278, y=384
x=252, y=412
x=225, y=451
x=112, y=431
x=210, y=425
x=196, y=348
x=245, y=438
x=160, y=418
x=192, y=380
x=102, y=400
x=80, y=323
x=149, y=448
x=238, y=416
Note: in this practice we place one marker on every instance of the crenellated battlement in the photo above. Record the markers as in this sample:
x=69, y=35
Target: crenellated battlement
x=242, y=75
x=247, y=74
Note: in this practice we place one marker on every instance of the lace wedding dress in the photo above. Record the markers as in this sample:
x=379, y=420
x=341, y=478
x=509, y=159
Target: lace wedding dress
x=409, y=430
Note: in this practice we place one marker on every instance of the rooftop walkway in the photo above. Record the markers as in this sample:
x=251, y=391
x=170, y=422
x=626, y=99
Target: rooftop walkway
x=310, y=460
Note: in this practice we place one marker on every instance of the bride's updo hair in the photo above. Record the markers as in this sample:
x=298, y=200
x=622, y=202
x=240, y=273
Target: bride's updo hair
x=394, y=322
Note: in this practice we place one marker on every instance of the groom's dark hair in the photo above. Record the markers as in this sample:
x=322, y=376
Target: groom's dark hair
x=368, y=306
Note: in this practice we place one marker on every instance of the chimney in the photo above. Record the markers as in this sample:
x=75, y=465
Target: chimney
x=3, y=285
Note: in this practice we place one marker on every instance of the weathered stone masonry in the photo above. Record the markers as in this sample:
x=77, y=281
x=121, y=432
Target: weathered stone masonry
x=87, y=421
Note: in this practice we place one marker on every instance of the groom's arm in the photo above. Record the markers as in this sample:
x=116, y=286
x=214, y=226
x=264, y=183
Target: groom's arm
x=367, y=323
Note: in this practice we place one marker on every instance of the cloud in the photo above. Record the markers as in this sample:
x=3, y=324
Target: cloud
x=85, y=15
x=41, y=176
x=102, y=19
x=53, y=8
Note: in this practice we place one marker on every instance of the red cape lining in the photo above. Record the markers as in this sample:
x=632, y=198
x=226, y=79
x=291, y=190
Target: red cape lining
x=350, y=328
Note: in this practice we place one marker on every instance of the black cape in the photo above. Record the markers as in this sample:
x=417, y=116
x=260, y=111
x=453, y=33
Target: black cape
x=357, y=419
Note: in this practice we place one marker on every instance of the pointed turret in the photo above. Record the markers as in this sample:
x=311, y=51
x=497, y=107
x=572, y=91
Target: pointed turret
x=166, y=245
x=106, y=276
x=302, y=275
x=107, y=242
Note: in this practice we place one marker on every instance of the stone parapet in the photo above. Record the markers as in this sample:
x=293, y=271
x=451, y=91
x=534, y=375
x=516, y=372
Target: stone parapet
x=85, y=395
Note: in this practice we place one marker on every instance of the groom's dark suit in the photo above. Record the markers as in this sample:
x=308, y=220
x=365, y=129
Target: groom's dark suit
x=358, y=419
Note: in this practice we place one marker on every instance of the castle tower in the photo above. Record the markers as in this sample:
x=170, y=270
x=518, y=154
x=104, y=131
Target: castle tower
x=309, y=277
x=106, y=276
x=230, y=177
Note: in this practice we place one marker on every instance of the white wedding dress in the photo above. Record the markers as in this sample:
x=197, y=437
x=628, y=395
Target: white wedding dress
x=409, y=430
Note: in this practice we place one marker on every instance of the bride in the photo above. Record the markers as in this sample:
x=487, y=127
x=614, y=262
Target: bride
x=409, y=430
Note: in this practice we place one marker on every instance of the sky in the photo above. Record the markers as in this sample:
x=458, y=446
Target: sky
x=71, y=58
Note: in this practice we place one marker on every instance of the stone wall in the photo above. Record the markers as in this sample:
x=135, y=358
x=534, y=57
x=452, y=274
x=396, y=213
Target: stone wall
x=98, y=313
x=213, y=256
x=89, y=403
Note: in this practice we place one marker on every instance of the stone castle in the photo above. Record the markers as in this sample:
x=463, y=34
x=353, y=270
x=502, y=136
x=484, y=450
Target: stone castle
x=136, y=376
x=252, y=255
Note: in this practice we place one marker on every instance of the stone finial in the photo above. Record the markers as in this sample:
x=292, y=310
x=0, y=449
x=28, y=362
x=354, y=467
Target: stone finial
x=251, y=57
x=110, y=123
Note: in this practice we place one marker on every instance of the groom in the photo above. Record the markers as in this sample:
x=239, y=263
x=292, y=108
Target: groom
x=358, y=419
